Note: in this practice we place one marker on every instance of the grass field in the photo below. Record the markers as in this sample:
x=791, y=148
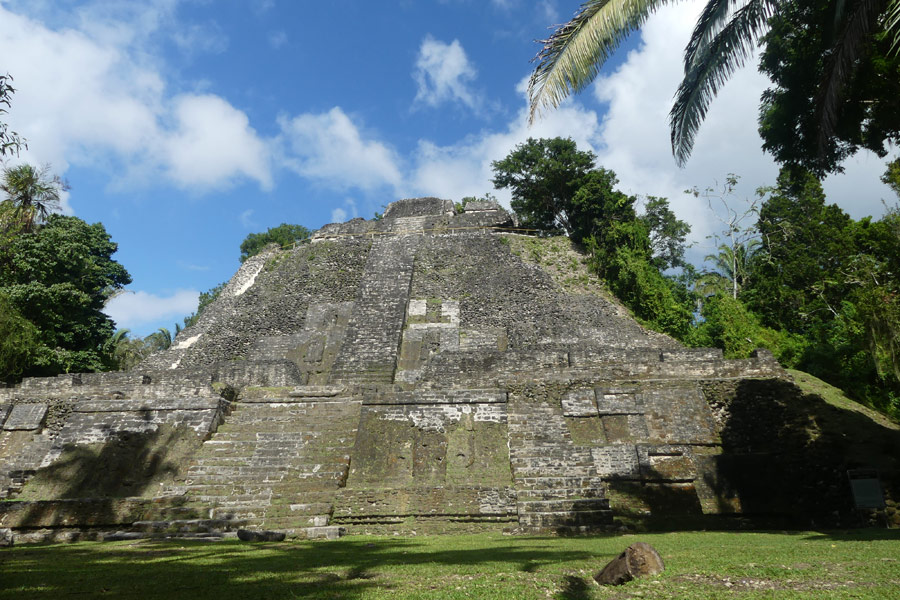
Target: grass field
x=854, y=564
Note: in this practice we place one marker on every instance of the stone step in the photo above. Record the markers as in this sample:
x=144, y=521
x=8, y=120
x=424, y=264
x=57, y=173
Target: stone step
x=566, y=518
x=562, y=505
x=560, y=470
x=250, y=514
x=292, y=491
x=258, y=460
x=558, y=482
x=299, y=470
x=188, y=525
x=560, y=494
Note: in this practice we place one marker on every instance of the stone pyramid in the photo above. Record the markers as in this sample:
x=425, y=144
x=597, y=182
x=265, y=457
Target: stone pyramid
x=429, y=371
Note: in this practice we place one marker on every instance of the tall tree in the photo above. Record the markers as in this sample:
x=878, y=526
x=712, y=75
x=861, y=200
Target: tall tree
x=723, y=40
x=667, y=233
x=799, y=49
x=58, y=277
x=30, y=194
x=544, y=175
x=805, y=246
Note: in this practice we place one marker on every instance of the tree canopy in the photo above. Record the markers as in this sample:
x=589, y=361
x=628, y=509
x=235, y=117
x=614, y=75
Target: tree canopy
x=839, y=38
x=544, y=176
x=30, y=194
x=58, y=278
x=284, y=235
x=798, y=52
x=557, y=189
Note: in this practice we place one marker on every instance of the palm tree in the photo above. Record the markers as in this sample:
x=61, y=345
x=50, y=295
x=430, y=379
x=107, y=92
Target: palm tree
x=722, y=41
x=730, y=268
x=31, y=193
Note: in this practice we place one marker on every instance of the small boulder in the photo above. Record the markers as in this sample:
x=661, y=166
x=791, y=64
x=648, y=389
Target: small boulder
x=246, y=535
x=637, y=560
x=6, y=537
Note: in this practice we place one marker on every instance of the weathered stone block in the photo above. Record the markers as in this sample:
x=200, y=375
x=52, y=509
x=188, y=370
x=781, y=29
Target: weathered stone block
x=25, y=417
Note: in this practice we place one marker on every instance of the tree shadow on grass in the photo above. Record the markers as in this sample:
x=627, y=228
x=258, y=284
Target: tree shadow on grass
x=339, y=569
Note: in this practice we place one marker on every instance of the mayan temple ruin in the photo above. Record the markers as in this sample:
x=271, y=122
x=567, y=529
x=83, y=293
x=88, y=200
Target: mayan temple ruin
x=425, y=372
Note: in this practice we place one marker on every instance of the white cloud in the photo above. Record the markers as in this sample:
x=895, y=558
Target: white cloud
x=348, y=211
x=330, y=148
x=92, y=96
x=464, y=168
x=443, y=74
x=191, y=267
x=134, y=309
x=213, y=144
x=194, y=39
x=246, y=219
x=277, y=39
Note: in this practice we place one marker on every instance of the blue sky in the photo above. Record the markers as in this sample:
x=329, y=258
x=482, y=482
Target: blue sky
x=184, y=125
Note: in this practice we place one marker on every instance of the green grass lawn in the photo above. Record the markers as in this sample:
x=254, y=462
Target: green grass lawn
x=855, y=564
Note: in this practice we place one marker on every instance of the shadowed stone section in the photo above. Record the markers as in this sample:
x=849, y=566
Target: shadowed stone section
x=276, y=463
x=93, y=423
x=372, y=342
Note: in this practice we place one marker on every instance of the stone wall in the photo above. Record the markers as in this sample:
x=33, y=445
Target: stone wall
x=428, y=371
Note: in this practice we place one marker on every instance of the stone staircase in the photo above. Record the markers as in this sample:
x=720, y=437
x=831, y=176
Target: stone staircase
x=372, y=342
x=557, y=486
x=275, y=464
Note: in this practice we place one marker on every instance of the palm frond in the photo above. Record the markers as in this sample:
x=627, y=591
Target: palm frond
x=849, y=45
x=709, y=24
x=892, y=24
x=720, y=58
x=572, y=56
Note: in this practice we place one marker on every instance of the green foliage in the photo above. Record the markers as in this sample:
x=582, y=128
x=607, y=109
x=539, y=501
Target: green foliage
x=800, y=52
x=128, y=352
x=544, y=176
x=729, y=325
x=10, y=141
x=30, y=195
x=597, y=206
x=58, y=277
x=284, y=235
x=19, y=342
x=622, y=257
x=805, y=245
x=822, y=277
x=667, y=233
x=206, y=298
x=891, y=176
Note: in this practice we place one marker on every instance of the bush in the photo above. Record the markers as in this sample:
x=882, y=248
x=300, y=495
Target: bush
x=729, y=325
